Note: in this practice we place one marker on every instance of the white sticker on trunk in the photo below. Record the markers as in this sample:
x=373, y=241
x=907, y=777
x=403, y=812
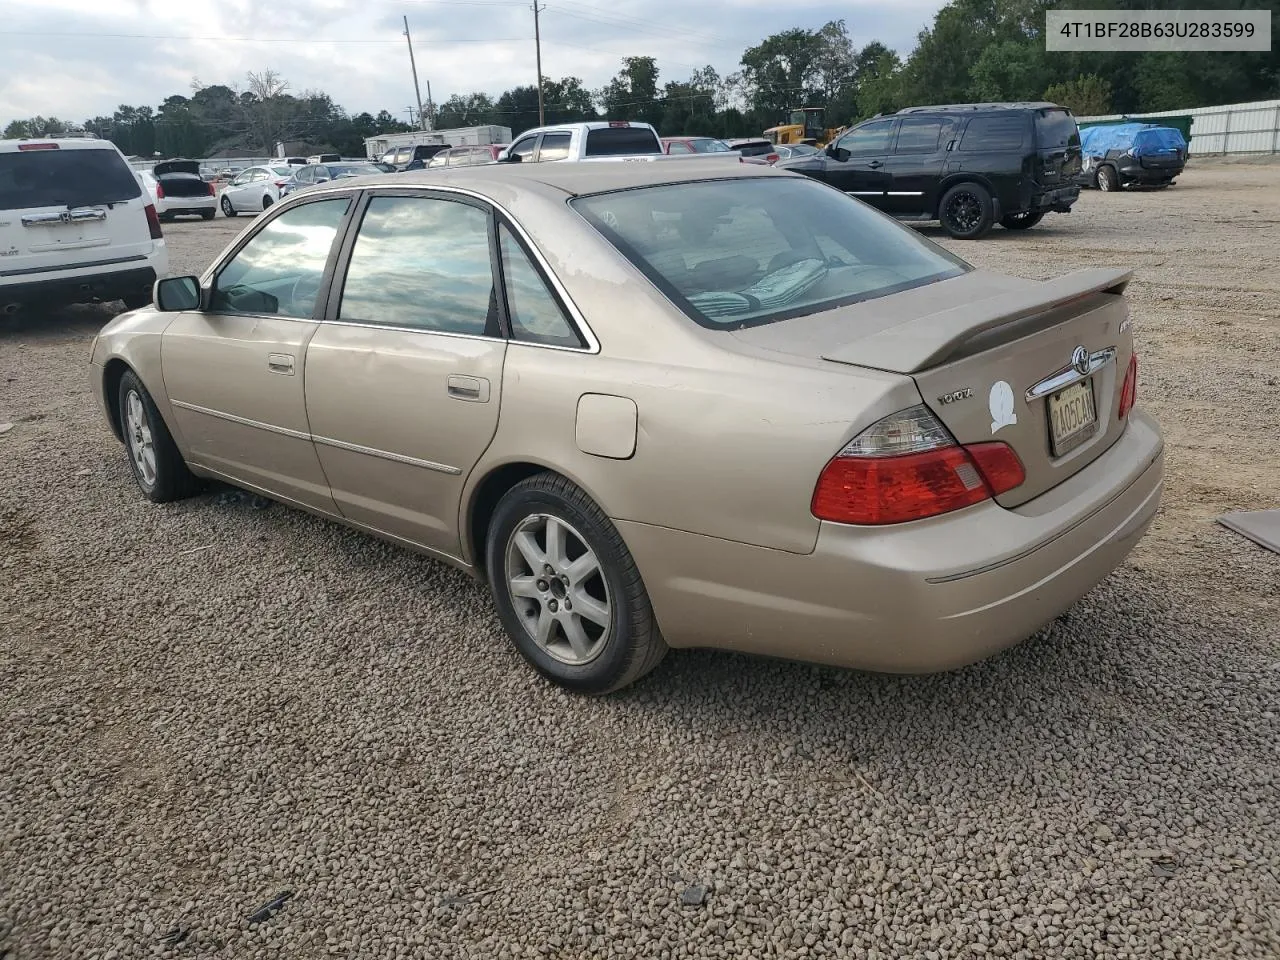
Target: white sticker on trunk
x=1000, y=402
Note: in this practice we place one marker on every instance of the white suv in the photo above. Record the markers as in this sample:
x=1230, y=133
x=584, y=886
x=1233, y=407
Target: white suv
x=76, y=226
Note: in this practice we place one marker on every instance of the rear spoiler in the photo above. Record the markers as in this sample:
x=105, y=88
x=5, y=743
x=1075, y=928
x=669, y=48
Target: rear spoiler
x=927, y=341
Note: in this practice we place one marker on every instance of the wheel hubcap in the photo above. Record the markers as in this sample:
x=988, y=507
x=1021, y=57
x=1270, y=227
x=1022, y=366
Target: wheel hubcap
x=964, y=211
x=138, y=434
x=558, y=589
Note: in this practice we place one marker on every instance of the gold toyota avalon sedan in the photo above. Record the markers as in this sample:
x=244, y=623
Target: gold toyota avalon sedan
x=664, y=404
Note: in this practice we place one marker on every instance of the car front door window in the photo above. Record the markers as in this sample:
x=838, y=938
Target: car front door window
x=278, y=271
x=871, y=140
x=524, y=148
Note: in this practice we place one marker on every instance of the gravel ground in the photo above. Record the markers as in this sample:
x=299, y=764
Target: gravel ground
x=206, y=705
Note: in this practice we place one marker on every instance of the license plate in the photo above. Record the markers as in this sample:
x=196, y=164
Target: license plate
x=1073, y=419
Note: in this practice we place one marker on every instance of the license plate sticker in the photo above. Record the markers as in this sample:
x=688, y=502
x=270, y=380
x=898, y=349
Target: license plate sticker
x=1073, y=418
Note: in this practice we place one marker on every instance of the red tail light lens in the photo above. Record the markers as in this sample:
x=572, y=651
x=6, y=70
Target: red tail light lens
x=159, y=190
x=1129, y=392
x=212, y=190
x=153, y=222
x=38, y=146
x=908, y=467
x=771, y=158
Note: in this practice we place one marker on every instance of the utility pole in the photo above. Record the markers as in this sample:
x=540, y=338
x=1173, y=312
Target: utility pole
x=537, y=46
x=431, y=110
x=417, y=94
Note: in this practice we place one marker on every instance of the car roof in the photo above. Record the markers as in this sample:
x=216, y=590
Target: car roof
x=980, y=107
x=572, y=179
x=64, y=143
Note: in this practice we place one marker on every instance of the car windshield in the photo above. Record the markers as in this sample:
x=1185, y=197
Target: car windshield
x=64, y=178
x=709, y=146
x=743, y=252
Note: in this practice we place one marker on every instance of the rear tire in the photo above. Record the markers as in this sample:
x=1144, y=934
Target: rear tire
x=1106, y=179
x=158, y=467
x=208, y=214
x=966, y=211
x=550, y=546
x=266, y=202
x=1022, y=221
x=227, y=209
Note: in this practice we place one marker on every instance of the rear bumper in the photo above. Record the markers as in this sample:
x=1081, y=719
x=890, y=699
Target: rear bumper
x=178, y=205
x=1059, y=200
x=920, y=597
x=1136, y=173
x=86, y=286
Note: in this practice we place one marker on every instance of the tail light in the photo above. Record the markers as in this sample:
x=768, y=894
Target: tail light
x=153, y=222
x=908, y=467
x=38, y=146
x=281, y=183
x=213, y=191
x=159, y=190
x=1129, y=392
x=772, y=158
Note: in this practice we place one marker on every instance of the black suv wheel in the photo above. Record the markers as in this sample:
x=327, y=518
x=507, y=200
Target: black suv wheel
x=966, y=211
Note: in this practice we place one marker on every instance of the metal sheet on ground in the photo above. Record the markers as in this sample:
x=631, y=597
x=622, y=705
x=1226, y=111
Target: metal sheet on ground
x=1260, y=526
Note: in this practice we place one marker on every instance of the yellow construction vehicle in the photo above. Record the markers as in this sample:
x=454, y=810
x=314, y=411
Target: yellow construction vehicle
x=806, y=125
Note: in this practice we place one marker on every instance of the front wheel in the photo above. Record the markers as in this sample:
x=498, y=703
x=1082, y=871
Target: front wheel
x=567, y=589
x=966, y=211
x=227, y=209
x=1022, y=221
x=157, y=464
x=1107, y=180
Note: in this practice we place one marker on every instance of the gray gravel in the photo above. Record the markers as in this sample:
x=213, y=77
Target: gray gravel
x=206, y=706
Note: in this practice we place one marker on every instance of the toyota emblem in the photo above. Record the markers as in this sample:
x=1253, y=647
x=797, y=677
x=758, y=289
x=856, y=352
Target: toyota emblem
x=1080, y=360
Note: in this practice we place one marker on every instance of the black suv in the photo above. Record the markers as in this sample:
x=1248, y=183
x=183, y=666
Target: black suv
x=968, y=166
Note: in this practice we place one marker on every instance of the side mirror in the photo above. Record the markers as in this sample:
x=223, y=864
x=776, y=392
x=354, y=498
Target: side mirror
x=841, y=154
x=173, y=294
x=322, y=179
x=511, y=158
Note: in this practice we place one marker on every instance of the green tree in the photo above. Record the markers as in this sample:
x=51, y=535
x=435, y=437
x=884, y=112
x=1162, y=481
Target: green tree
x=633, y=93
x=1088, y=96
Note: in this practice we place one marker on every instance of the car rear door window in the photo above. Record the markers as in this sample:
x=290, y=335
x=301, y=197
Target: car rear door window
x=996, y=132
x=555, y=146
x=278, y=271
x=71, y=178
x=422, y=263
x=679, y=147
x=918, y=135
x=536, y=315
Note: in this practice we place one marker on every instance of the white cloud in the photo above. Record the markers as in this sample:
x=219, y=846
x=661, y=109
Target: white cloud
x=76, y=59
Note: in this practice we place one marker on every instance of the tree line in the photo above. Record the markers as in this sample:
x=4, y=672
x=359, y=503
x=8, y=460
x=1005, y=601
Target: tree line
x=975, y=50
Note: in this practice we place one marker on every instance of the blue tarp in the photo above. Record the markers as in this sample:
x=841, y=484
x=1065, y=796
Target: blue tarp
x=1141, y=138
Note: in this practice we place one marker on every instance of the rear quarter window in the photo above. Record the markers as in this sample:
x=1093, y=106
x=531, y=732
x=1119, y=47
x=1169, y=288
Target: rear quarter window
x=71, y=178
x=1056, y=128
x=989, y=134
x=620, y=141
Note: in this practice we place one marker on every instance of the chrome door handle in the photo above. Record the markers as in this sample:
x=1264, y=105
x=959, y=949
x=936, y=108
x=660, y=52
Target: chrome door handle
x=875, y=163
x=473, y=389
x=280, y=363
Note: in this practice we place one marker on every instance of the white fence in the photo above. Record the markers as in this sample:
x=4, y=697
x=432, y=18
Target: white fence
x=1233, y=128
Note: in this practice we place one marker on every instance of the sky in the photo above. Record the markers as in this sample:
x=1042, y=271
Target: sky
x=76, y=59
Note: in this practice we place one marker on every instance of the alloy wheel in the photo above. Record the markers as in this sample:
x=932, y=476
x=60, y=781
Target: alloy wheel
x=964, y=211
x=558, y=589
x=139, y=438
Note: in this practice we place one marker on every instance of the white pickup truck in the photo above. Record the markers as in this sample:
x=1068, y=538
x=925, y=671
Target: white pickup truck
x=599, y=140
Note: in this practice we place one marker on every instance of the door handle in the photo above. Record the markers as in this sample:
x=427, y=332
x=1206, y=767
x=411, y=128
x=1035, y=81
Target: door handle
x=472, y=389
x=875, y=163
x=280, y=363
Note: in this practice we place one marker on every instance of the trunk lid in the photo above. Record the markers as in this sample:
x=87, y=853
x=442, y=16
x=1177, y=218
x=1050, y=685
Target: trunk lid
x=1016, y=361
x=166, y=167
x=1057, y=147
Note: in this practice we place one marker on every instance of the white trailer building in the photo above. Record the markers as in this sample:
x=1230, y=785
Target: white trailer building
x=375, y=147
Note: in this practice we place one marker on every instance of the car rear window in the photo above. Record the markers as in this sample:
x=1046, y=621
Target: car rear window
x=744, y=252
x=998, y=132
x=621, y=141
x=71, y=178
x=1056, y=128
x=756, y=148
